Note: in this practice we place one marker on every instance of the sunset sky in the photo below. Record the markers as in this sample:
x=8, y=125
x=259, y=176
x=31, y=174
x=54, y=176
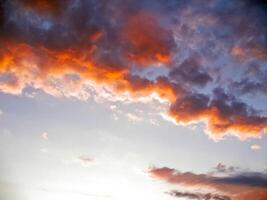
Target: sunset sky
x=133, y=100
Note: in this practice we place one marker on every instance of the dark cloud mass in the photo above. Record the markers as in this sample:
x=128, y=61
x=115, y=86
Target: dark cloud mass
x=209, y=50
x=190, y=72
x=252, y=85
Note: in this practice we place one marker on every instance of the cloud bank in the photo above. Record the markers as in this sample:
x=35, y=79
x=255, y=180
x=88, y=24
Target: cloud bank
x=204, y=58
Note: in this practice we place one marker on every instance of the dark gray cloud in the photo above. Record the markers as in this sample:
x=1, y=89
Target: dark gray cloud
x=199, y=196
x=253, y=82
x=191, y=72
x=255, y=179
x=222, y=168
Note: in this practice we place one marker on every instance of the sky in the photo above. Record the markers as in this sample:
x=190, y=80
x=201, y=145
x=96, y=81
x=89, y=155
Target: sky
x=131, y=99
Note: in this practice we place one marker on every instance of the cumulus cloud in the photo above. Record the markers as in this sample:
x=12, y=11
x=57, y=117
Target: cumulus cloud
x=238, y=186
x=200, y=54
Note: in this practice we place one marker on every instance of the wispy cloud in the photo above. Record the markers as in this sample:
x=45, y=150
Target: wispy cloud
x=83, y=160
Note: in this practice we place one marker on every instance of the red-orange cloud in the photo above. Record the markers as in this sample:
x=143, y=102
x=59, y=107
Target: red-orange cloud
x=146, y=42
x=62, y=47
x=53, y=7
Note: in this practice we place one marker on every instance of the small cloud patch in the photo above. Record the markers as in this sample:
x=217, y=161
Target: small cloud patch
x=255, y=147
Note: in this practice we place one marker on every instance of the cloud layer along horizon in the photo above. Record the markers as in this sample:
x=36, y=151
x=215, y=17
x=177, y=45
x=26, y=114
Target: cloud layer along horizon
x=234, y=186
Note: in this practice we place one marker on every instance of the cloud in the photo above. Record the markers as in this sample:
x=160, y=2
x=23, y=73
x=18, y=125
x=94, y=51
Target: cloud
x=134, y=118
x=255, y=147
x=198, y=196
x=44, y=136
x=43, y=150
x=222, y=168
x=44, y=6
x=223, y=113
x=148, y=44
x=82, y=160
x=190, y=72
x=85, y=48
x=244, y=185
x=256, y=85
x=85, y=161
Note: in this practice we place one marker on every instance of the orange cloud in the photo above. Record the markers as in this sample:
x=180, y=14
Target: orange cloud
x=222, y=114
x=23, y=65
x=146, y=41
x=53, y=7
x=248, y=52
x=91, y=43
